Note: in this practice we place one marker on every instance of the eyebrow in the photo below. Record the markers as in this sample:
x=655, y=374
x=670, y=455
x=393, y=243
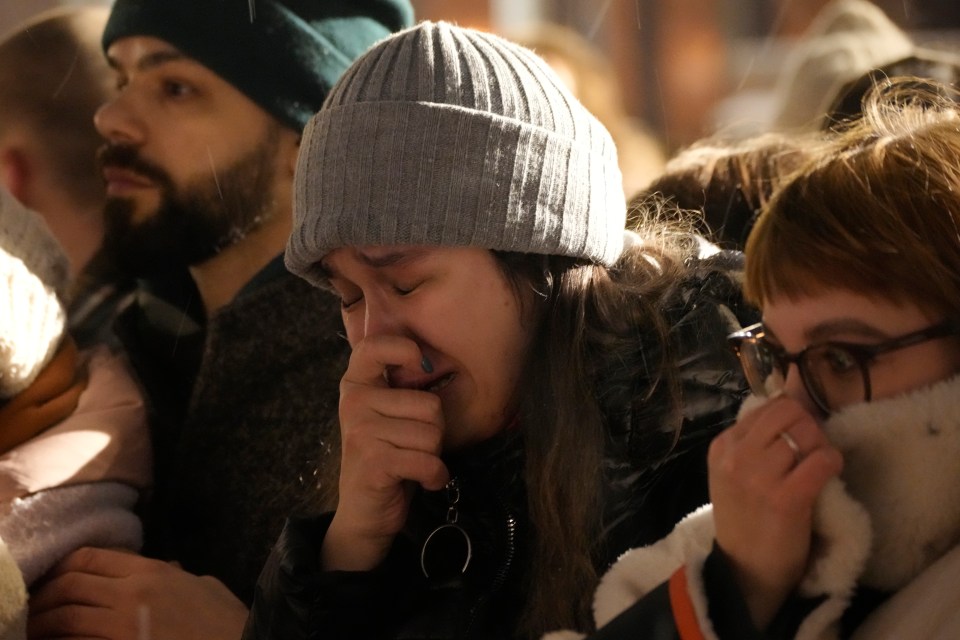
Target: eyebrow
x=394, y=258
x=399, y=257
x=151, y=60
x=826, y=331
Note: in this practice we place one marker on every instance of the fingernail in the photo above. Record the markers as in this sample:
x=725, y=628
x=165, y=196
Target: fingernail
x=426, y=365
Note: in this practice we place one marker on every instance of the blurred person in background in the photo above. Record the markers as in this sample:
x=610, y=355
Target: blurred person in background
x=724, y=183
x=588, y=74
x=934, y=69
x=53, y=78
x=843, y=40
x=846, y=39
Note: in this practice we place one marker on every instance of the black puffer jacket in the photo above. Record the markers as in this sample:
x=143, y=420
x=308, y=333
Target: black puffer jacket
x=648, y=492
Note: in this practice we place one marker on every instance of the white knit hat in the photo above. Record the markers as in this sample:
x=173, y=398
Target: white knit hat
x=33, y=277
x=441, y=135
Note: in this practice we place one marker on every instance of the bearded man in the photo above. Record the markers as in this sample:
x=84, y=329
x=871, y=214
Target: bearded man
x=202, y=141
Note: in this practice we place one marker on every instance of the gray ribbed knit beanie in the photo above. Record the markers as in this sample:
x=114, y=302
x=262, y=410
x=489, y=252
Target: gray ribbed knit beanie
x=33, y=276
x=441, y=135
x=282, y=54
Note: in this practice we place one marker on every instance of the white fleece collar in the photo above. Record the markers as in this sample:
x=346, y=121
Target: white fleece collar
x=902, y=463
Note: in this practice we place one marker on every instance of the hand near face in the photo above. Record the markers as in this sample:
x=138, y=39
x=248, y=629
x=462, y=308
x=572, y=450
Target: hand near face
x=391, y=441
x=116, y=595
x=763, y=496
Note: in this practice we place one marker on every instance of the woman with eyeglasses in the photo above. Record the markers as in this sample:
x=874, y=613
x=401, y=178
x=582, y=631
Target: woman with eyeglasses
x=836, y=495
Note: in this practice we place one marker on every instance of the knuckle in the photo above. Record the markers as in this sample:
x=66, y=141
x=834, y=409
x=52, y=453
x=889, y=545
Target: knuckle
x=350, y=398
x=727, y=466
x=717, y=449
x=433, y=438
x=757, y=485
x=69, y=584
x=433, y=405
x=354, y=441
x=362, y=349
x=83, y=557
x=437, y=469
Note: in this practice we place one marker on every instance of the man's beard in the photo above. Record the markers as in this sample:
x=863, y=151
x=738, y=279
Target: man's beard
x=193, y=223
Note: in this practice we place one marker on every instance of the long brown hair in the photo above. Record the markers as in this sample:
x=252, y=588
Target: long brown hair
x=601, y=363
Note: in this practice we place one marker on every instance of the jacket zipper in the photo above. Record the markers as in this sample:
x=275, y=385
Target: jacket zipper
x=501, y=576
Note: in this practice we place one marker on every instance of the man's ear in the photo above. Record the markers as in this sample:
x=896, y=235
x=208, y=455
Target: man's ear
x=15, y=172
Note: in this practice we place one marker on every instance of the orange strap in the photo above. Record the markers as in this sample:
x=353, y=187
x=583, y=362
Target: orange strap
x=684, y=615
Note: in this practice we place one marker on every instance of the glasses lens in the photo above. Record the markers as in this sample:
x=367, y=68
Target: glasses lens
x=834, y=376
x=759, y=363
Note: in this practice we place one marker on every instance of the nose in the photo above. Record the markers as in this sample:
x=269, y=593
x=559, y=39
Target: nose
x=118, y=121
x=794, y=387
x=381, y=318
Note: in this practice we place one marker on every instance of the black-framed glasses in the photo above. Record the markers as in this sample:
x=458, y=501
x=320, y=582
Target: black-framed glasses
x=835, y=374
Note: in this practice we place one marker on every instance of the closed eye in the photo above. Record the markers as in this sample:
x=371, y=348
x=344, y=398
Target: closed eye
x=405, y=290
x=348, y=293
x=346, y=304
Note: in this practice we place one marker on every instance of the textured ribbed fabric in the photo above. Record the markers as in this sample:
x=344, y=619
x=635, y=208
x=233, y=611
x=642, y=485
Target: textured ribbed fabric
x=283, y=54
x=33, y=276
x=441, y=135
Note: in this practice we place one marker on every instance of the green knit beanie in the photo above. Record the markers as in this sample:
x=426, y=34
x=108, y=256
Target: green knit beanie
x=285, y=55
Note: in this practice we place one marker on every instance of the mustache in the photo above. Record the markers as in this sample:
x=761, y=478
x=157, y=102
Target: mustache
x=126, y=157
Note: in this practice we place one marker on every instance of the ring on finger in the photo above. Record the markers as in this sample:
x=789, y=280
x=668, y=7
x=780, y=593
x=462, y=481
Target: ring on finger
x=794, y=447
